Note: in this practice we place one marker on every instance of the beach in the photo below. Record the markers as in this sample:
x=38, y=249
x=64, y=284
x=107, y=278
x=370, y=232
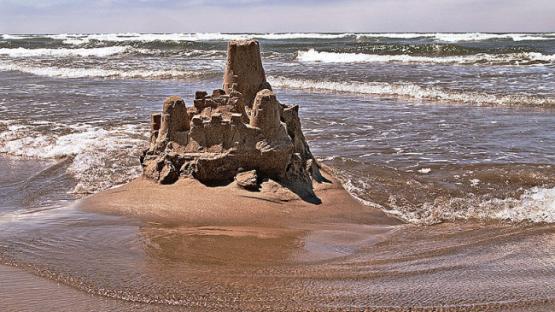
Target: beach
x=437, y=148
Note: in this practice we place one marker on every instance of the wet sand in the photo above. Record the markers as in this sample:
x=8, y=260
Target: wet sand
x=191, y=247
x=419, y=139
x=188, y=247
x=192, y=203
x=451, y=267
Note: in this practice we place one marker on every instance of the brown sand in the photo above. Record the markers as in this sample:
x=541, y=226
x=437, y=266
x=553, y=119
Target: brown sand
x=227, y=249
x=192, y=203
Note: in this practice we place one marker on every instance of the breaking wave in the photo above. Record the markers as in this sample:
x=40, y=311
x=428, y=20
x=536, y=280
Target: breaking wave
x=462, y=37
x=402, y=196
x=101, y=157
x=441, y=37
x=61, y=52
x=410, y=90
x=15, y=37
x=69, y=72
x=535, y=205
x=523, y=58
x=77, y=39
x=458, y=37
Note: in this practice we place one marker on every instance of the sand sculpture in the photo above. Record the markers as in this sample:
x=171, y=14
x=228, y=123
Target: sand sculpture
x=241, y=132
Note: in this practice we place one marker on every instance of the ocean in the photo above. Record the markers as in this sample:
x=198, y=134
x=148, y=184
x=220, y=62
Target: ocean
x=431, y=128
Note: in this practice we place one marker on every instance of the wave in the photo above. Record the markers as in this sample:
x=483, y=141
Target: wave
x=523, y=58
x=396, y=192
x=536, y=205
x=399, y=89
x=419, y=49
x=14, y=37
x=62, y=52
x=146, y=37
x=410, y=90
x=462, y=37
x=459, y=37
x=102, y=157
x=68, y=72
x=77, y=39
x=104, y=52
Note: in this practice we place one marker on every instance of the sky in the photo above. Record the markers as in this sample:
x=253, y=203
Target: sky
x=108, y=16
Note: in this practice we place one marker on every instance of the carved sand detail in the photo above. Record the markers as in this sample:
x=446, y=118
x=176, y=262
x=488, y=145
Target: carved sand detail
x=240, y=128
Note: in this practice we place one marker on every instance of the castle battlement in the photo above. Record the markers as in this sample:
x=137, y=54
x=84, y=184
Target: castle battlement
x=240, y=127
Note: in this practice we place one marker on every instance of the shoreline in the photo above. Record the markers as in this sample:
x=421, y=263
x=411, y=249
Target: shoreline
x=413, y=205
x=339, y=246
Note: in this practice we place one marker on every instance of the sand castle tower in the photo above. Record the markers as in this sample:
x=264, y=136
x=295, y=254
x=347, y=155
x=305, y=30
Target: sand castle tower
x=240, y=128
x=244, y=72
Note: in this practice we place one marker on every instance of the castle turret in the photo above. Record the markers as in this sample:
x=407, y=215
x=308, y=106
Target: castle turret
x=174, y=121
x=244, y=71
x=240, y=128
x=265, y=113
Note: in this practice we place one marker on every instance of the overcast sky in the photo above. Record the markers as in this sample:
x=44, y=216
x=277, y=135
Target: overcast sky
x=86, y=16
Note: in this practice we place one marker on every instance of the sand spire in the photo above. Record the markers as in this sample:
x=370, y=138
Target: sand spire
x=242, y=128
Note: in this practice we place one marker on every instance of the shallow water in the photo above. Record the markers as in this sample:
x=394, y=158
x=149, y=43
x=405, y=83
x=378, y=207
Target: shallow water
x=427, y=127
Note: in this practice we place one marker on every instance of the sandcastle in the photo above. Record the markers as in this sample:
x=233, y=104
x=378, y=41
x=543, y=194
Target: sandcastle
x=241, y=132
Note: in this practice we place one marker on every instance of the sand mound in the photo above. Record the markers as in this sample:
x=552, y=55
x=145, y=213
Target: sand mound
x=190, y=202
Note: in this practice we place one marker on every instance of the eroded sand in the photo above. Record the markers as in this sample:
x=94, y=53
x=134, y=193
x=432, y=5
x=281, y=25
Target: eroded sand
x=192, y=203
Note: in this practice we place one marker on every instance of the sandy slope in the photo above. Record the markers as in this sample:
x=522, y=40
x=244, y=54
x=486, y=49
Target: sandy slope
x=192, y=203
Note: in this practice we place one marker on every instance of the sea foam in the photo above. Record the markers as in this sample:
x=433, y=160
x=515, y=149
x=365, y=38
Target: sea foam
x=63, y=52
x=146, y=37
x=410, y=90
x=130, y=37
x=535, y=205
x=69, y=72
x=102, y=157
x=461, y=37
x=524, y=58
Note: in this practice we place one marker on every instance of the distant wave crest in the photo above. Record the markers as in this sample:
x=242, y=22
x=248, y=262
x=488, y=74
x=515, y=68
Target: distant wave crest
x=146, y=37
x=410, y=90
x=461, y=37
x=77, y=39
x=524, y=58
x=69, y=72
x=62, y=52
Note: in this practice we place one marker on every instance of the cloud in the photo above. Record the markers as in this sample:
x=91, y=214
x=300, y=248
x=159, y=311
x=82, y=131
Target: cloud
x=37, y=4
x=55, y=16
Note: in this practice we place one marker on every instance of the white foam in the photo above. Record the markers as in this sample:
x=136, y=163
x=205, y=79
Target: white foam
x=461, y=37
x=284, y=36
x=536, y=205
x=394, y=35
x=14, y=37
x=127, y=37
x=68, y=72
x=410, y=90
x=493, y=59
x=63, y=52
x=101, y=157
x=146, y=37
